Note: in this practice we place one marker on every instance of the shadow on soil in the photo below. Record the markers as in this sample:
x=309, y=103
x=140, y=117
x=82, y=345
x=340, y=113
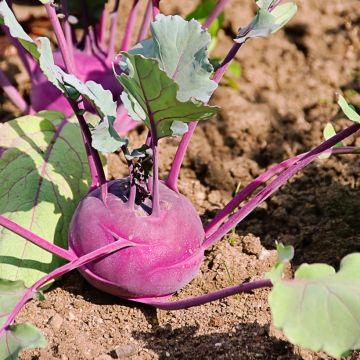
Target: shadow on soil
x=247, y=341
x=314, y=213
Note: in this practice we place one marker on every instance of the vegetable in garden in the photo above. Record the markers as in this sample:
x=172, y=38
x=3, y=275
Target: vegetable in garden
x=138, y=237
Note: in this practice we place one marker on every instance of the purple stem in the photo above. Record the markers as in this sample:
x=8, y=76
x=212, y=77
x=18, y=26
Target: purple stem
x=247, y=191
x=174, y=173
x=68, y=32
x=70, y=67
x=113, y=29
x=219, y=7
x=14, y=94
x=132, y=194
x=35, y=239
x=76, y=263
x=130, y=26
x=96, y=168
x=154, y=146
x=172, y=179
x=155, y=186
x=132, y=190
x=101, y=28
x=260, y=180
x=277, y=183
x=155, y=8
x=203, y=299
x=28, y=62
x=87, y=42
x=226, y=62
x=145, y=25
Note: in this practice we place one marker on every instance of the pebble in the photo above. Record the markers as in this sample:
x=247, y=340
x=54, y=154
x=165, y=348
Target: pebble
x=124, y=351
x=251, y=245
x=55, y=322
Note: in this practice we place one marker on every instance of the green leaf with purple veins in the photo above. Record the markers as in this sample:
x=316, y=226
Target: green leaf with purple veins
x=180, y=47
x=44, y=174
x=320, y=308
x=16, y=337
x=152, y=96
x=20, y=337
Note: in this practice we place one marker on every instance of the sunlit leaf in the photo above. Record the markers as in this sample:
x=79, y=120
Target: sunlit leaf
x=20, y=337
x=348, y=109
x=152, y=91
x=320, y=309
x=267, y=22
x=44, y=174
x=180, y=46
x=285, y=253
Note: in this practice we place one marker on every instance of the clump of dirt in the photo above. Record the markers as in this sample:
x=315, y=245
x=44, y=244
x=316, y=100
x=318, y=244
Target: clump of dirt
x=285, y=98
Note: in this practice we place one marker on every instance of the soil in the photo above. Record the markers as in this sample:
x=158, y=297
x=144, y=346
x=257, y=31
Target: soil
x=285, y=97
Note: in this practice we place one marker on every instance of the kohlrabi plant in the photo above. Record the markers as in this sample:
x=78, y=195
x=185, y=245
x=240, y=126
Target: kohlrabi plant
x=138, y=237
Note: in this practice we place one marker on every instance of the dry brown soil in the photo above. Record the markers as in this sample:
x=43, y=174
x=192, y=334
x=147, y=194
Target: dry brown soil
x=286, y=96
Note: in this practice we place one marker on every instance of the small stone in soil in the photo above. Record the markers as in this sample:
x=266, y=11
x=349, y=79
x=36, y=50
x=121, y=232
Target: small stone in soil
x=55, y=322
x=124, y=351
x=251, y=245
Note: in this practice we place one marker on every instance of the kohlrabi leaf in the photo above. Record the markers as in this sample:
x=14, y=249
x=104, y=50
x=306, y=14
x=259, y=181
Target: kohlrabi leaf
x=20, y=337
x=329, y=132
x=285, y=253
x=267, y=4
x=348, y=110
x=94, y=93
x=105, y=138
x=9, y=20
x=10, y=294
x=152, y=95
x=138, y=153
x=44, y=174
x=47, y=65
x=267, y=22
x=180, y=46
x=320, y=309
x=71, y=86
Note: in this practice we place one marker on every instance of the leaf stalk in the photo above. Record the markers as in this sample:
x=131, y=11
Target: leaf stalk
x=14, y=95
x=35, y=239
x=277, y=183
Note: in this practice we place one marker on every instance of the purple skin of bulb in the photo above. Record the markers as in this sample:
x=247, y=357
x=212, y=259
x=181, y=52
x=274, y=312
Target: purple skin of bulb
x=167, y=252
x=44, y=95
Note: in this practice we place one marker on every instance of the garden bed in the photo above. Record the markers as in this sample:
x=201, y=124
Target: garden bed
x=285, y=97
